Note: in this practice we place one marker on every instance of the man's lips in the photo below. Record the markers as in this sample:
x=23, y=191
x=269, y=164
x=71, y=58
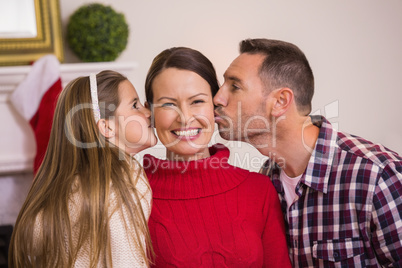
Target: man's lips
x=218, y=117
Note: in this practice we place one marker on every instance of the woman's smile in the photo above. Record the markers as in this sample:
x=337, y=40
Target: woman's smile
x=192, y=133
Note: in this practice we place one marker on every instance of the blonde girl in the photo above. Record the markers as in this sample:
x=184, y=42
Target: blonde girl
x=90, y=200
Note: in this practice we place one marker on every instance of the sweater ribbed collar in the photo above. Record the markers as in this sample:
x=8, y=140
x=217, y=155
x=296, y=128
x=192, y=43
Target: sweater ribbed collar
x=193, y=179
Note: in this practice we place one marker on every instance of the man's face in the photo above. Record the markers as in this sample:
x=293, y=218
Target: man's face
x=241, y=112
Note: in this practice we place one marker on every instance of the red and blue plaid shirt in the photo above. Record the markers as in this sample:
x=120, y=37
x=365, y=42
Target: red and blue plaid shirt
x=349, y=207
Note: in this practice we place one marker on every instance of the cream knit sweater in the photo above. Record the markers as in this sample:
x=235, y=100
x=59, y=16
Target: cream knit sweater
x=125, y=253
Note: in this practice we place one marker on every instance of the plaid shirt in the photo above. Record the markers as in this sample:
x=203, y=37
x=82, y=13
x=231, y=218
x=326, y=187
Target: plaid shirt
x=349, y=207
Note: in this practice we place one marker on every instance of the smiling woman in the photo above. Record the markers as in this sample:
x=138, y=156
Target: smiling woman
x=205, y=213
x=29, y=29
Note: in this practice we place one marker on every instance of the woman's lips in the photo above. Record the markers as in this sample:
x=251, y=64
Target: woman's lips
x=187, y=134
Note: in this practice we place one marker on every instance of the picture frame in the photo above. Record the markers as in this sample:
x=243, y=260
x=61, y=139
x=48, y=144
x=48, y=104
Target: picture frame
x=48, y=39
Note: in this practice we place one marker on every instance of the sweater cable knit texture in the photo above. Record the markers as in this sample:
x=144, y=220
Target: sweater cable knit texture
x=208, y=213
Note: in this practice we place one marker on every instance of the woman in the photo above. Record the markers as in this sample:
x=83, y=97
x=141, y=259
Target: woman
x=206, y=213
x=90, y=201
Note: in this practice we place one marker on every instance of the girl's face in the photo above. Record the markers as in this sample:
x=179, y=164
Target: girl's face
x=131, y=123
x=184, y=113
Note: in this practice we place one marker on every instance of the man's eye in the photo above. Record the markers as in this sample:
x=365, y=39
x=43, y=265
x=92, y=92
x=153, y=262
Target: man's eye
x=235, y=87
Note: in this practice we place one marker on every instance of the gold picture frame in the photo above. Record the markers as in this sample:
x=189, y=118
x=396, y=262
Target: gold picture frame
x=23, y=51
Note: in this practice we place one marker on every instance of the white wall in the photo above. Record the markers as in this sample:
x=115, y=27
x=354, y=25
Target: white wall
x=354, y=48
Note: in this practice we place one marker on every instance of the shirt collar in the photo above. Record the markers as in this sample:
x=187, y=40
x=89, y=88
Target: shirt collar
x=319, y=166
x=316, y=175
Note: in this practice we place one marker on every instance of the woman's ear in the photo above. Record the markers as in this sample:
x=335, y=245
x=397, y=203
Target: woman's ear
x=283, y=99
x=105, y=128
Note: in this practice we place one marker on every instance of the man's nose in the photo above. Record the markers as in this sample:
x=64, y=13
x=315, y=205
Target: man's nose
x=220, y=98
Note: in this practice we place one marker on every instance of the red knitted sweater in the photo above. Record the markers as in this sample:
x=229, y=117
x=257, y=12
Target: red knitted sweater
x=207, y=213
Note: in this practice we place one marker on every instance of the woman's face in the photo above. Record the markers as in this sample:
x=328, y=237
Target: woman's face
x=131, y=122
x=184, y=113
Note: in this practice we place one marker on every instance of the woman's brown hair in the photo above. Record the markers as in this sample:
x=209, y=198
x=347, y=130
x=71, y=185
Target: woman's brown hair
x=181, y=58
x=79, y=158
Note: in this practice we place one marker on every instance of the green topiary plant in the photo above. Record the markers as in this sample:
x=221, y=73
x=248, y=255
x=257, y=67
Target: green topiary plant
x=97, y=33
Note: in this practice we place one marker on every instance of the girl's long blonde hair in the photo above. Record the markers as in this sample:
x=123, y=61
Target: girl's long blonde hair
x=78, y=154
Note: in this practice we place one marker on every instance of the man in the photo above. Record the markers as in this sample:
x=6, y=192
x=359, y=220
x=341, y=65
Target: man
x=340, y=194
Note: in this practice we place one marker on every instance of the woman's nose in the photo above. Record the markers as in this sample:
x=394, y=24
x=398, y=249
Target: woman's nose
x=185, y=115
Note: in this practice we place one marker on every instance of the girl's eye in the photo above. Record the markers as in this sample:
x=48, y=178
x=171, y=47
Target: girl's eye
x=135, y=105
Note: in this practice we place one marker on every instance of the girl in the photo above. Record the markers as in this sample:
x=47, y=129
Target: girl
x=90, y=200
x=206, y=212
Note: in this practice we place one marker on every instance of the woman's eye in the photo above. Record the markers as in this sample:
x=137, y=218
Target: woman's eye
x=168, y=104
x=198, y=101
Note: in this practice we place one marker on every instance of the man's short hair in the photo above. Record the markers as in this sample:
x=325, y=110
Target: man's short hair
x=285, y=65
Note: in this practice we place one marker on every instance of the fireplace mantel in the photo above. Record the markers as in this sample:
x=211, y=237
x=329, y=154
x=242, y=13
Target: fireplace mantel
x=17, y=143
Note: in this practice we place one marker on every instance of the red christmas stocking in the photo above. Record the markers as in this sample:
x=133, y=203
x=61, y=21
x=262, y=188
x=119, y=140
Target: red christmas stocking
x=35, y=99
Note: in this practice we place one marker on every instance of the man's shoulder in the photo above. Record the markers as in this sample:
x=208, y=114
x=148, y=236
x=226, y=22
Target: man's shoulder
x=358, y=147
x=348, y=147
